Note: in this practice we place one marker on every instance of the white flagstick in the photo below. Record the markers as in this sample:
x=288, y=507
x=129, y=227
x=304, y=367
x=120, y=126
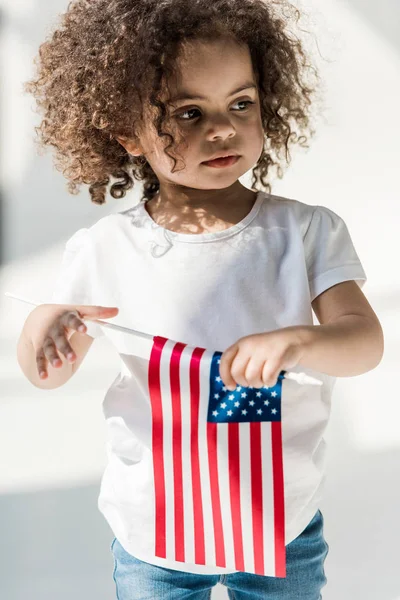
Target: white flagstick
x=301, y=378
x=103, y=323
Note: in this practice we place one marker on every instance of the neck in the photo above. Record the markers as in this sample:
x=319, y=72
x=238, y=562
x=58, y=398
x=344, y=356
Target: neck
x=194, y=211
x=185, y=200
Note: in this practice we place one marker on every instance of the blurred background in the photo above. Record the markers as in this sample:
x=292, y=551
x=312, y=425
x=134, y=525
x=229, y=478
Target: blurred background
x=55, y=544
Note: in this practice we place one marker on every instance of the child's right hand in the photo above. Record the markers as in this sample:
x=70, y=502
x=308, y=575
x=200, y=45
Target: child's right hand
x=51, y=326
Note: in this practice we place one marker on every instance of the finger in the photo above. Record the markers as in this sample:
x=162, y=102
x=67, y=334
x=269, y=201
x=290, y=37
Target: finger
x=225, y=367
x=238, y=369
x=50, y=352
x=270, y=373
x=41, y=363
x=71, y=319
x=63, y=346
x=253, y=372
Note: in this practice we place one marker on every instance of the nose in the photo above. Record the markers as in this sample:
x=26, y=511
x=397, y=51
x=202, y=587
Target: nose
x=221, y=128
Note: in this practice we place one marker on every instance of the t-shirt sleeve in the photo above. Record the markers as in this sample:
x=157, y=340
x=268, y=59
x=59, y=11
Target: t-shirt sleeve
x=74, y=278
x=330, y=254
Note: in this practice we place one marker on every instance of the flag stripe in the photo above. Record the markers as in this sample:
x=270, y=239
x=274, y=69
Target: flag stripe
x=157, y=444
x=234, y=488
x=279, y=504
x=245, y=495
x=225, y=478
x=256, y=495
x=177, y=451
x=268, y=499
x=215, y=493
x=199, y=545
x=209, y=533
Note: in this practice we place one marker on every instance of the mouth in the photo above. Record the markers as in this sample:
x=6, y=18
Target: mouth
x=226, y=161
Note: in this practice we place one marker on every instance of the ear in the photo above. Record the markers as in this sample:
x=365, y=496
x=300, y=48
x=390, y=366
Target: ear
x=130, y=146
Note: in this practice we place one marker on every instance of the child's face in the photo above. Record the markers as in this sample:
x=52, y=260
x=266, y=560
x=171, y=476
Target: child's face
x=203, y=128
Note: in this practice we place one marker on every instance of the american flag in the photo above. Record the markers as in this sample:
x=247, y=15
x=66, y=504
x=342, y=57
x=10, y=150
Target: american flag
x=217, y=464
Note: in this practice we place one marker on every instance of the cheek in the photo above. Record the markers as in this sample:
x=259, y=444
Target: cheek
x=255, y=124
x=258, y=135
x=164, y=163
x=188, y=144
x=253, y=136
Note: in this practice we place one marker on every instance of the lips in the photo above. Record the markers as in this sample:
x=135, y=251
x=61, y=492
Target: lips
x=222, y=155
x=222, y=162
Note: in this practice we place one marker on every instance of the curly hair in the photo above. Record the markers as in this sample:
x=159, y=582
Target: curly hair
x=108, y=58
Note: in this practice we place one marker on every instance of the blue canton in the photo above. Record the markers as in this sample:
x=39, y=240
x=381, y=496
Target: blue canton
x=244, y=404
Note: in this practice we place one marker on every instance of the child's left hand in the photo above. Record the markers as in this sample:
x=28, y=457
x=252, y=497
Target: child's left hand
x=256, y=360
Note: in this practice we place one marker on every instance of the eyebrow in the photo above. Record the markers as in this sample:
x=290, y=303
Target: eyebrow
x=186, y=96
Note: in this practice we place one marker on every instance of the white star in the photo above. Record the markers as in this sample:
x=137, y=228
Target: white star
x=274, y=394
x=230, y=413
x=218, y=378
x=266, y=387
x=273, y=411
x=219, y=361
x=259, y=411
x=251, y=402
x=216, y=396
x=231, y=397
x=244, y=395
x=244, y=412
x=224, y=388
x=239, y=387
x=237, y=403
x=258, y=394
x=223, y=405
x=215, y=413
x=266, y=402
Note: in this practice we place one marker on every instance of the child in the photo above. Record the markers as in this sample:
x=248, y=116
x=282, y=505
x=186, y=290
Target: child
x=156, y=90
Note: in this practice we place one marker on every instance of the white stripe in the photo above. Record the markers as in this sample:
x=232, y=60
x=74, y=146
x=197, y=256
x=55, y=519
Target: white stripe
x=205, y=366
x=224, y=490
x=268, y=499
x=186, y=456
x=246, y=493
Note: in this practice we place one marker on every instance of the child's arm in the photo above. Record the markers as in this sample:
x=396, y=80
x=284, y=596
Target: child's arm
x=350, y=346
x=349, y=340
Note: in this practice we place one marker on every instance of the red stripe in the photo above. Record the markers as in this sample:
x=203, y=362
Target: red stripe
x=279, y=504
x=177, y=451
x=215, y=495
x=194, y=373
x=157, y=445
x=234, y=488
x=257, y=497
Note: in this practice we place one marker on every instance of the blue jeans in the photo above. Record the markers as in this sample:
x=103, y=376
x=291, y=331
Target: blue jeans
x=305, y=576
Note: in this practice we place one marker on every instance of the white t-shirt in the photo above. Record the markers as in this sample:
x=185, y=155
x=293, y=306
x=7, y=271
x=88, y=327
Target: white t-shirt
x=206, y=290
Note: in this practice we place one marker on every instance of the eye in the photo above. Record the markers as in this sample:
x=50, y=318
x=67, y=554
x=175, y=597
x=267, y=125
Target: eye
x=179, y=116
